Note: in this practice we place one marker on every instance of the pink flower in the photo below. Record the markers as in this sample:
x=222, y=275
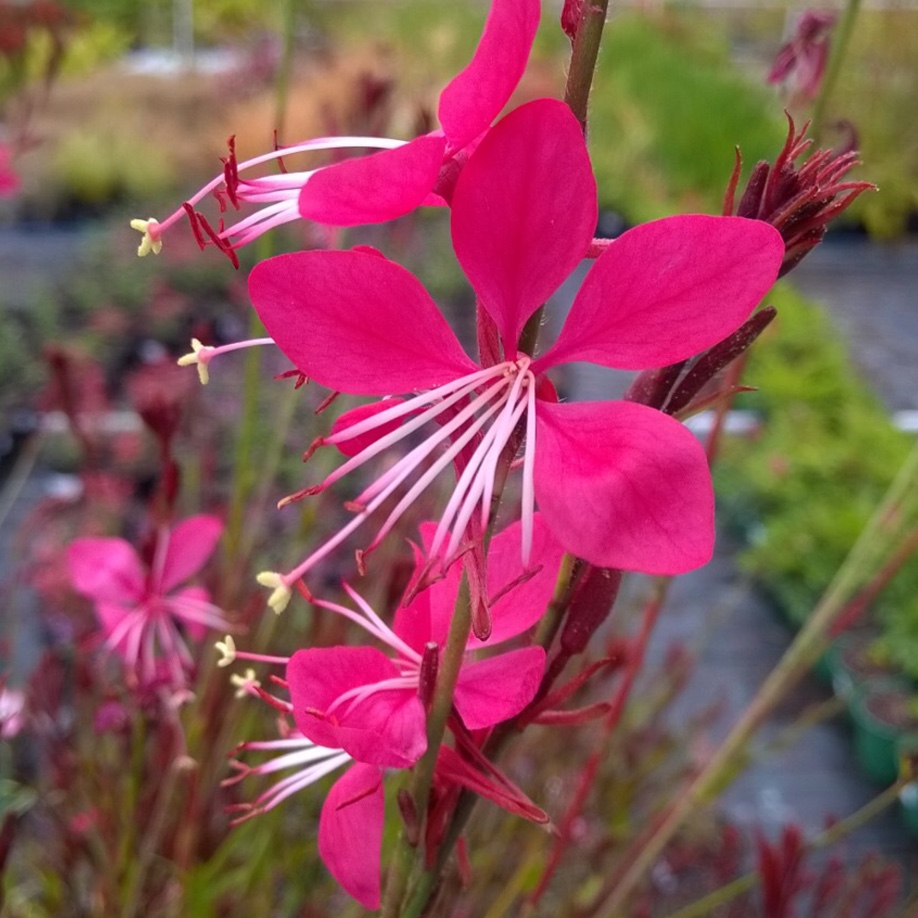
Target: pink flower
x=12, y=711
x=367, y=703
x=9, y=180
x=619, y=484
x=139, y=609
x=353, y=814
x=801, y=61
x=381, y=186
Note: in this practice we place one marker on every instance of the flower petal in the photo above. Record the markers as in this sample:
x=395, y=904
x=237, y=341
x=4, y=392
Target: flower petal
x=496, y=689
x=359, y=443
x=427, y=617
x=625, y=486
x=523, y=604
x=191, y=544
x=356, y=322
x=667, y=290
x=106, y=570
x=385, y=727
x=475, y=97
x=524, y=211
x=374, y=188
x=350, y=833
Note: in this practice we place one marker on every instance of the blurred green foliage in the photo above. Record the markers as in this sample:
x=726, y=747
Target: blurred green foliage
x=668, y=110
x=804, y=488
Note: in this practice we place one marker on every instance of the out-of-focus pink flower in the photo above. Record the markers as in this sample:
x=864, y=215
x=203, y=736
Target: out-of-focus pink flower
x=12, y=712
x=140, y=609
x=384, y=185
x=619, y=484
x=801, y=61
x=9, y=180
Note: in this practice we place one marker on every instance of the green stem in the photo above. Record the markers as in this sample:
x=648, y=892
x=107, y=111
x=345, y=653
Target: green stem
x=583, y=58
x=802, y=653
x=833, y=69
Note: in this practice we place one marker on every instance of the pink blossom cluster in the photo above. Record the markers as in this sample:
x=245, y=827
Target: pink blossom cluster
x=615, y=484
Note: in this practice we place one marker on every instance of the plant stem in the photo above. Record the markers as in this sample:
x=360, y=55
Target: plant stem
x=802, y=652
x=833, y=69
x=707, y=904
x=583, y=58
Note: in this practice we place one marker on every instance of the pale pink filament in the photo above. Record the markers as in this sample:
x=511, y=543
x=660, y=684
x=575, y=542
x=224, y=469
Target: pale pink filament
x=509, y=393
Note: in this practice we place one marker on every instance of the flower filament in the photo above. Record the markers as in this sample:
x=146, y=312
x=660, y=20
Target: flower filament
x=477, y=416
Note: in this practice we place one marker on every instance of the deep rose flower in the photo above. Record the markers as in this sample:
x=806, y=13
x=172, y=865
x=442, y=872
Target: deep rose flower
x=619, y=484
x=139, y=609
x=9, y=180
x=384, y=185
x=367, y=703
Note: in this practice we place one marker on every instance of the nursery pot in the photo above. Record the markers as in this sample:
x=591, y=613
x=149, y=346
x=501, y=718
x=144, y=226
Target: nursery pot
x=883, y=716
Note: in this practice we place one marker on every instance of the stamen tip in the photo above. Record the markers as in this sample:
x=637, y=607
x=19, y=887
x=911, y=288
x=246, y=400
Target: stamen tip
x=227, y=650
x=281, y=595
x=151, y=242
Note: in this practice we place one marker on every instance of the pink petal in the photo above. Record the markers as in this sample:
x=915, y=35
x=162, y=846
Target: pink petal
x=667, y=290
x=521, y=606
x=191, y=544
x=476, y=96
x=110, y=615
x=196, y=630
x=427, y=617
x=624, y=486
x=359, y=443
x=524, y=212
x=106, y=570
x=386, y=728
x=356, y=322
x=350, y=833
x=494, y=690
x=375, y=188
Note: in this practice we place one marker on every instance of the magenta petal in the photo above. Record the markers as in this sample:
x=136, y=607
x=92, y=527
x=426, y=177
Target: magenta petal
x=475, y=97
x=667, y=290
x=359, y=443
x=106, y=570
x=625, y=486
x=197, y=630
x=356, y=322
x=494, y=690
x=522, y=605
x=427, y=617
x=385, y=727
x=351, y=830
x=524, y=211
x=191, y=544
x=374, y=188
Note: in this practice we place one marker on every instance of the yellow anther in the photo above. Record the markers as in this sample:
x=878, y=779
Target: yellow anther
x=151, y=241
x=200, y=357
x=245, y=682
x=227, y=649
x=281, y=594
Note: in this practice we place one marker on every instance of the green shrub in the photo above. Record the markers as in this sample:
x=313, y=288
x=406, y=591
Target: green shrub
x=804, y=488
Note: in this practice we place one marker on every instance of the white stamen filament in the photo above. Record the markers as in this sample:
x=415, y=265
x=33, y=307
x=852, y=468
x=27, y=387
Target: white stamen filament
x=509, y=396
x=353, y=697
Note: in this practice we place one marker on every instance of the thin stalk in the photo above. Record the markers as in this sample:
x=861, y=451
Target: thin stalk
x=495, y=743
x=583, y=58
x=707, y=904
x=833, y=69
x=441, y=705
x=796, y=659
